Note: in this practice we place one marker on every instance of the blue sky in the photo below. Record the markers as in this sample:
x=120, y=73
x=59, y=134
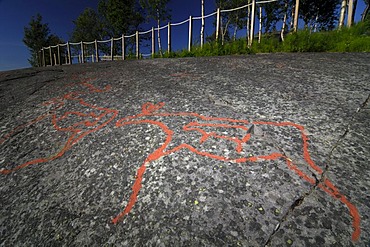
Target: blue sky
x=59, y=14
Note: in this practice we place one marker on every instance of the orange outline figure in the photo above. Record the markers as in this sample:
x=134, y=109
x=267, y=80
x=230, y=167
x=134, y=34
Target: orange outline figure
x=76, y=129
x=151, y=110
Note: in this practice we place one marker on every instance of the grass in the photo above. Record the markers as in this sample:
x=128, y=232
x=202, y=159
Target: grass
x=354, y=39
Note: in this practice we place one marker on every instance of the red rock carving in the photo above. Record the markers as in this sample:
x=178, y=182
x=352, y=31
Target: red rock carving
x=79, y=129
x=92, y=120
x=150, y=110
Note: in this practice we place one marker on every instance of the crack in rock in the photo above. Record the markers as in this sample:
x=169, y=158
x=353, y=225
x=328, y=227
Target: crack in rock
x=300, y=200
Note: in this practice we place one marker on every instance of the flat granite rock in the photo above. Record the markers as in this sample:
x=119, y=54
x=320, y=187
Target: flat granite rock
x=259, y=150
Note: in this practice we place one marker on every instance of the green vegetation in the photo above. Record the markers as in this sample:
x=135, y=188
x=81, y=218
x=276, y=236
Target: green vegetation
x=115, y=18
x=37, y=35
x=354, y=39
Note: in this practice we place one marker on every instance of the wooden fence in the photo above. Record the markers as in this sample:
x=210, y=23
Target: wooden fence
x=49, y=56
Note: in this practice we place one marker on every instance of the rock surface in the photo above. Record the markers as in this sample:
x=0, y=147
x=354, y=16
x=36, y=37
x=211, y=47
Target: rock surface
x=260, y=150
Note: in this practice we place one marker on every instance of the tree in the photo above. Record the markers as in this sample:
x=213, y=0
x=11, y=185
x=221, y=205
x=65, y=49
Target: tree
x=273, y=12
x=120, y=17
x=87, y=27
x=238, y=17
x=36, y=36
x=366, y=10
x=157, y=10
x=319, y=14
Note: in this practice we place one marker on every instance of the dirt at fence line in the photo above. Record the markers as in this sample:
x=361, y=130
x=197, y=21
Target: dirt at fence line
x=259, y=150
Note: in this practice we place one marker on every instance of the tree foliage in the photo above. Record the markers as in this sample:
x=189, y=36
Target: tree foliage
x=120, y=16
x=273, y=13
x=88, y=27
x=235, y=19
x=321, y=14
x=365, y=15
x=36, y=36
x=158, y=11
x=113, y=18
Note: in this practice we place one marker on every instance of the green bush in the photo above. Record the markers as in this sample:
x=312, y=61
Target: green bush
x=268, y=44
x=304, y=41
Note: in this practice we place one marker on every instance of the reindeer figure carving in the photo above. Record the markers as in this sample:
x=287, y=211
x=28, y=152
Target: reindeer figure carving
x=85, y=121
x=203, y=126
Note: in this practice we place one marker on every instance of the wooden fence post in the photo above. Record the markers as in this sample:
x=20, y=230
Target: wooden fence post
x=202, y=27
x=55, y=59
x=58, y=55
x=111, y=49
x=252, y=22
x=43, y=57
x=96, y=51
x=169, y=38
x=218, y=23
x=342, y=13
x=296, y=13
x=153, y=42
x=260, y=25
x=82, y=53
x=39, y=58
x=51, y=59
x=123, y=47
x=69, y=53
x=350, y=13
x=191, y=33
x=137, y=45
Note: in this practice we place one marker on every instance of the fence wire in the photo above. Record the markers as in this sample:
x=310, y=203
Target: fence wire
x=72, y=51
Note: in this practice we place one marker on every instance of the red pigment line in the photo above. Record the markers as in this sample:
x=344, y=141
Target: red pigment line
x=149, y=110
x=206, y=135
x=306, y=154
x=329, y=188
x=153, y=156
x=332, y=191
x=133, y=198
x=76, y=134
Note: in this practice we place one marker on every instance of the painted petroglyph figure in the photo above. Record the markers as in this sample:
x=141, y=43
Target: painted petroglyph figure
x=76, y=124
x=88, y=118
x=205, y=128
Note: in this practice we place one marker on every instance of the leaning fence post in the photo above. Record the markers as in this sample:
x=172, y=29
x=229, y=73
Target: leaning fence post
x=190, y=33
x=169, y=38
x=217, y=23
x=111, y=49
x=123, y=47
x=252, y=22
x=153, y=43
x=82, y=53
x=51, y=59
x=137, y=45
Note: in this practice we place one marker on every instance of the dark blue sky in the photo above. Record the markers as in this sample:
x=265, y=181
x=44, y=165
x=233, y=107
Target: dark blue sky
x=59, y=14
